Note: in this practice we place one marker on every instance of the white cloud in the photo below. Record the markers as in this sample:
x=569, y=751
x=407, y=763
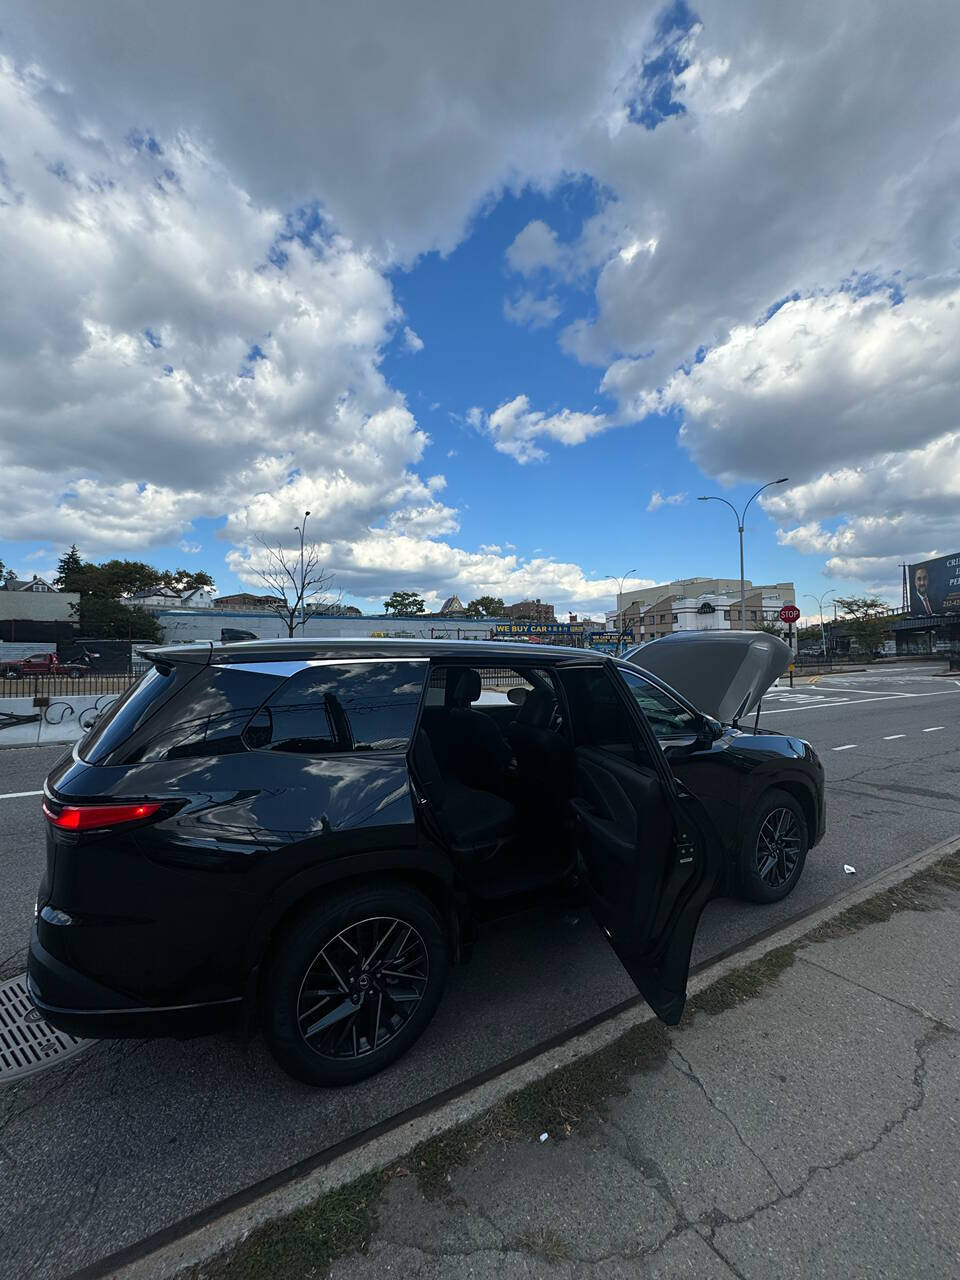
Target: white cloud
x=757, y=192
x=169, y=350
x=383, y=561
x=537, y=247
x=515, y=428
x=866, y=519
x=403, y=120
x=658, y=500
x=530, y=311
x=411, y=340
x=839, y=373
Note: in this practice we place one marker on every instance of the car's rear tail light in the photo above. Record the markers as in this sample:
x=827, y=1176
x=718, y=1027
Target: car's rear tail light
x=89, y=817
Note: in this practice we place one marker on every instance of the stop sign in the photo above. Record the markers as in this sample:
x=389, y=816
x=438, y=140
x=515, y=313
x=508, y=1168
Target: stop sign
x=789, y=613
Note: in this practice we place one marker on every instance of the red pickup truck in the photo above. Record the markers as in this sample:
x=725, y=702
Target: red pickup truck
x=42, y=664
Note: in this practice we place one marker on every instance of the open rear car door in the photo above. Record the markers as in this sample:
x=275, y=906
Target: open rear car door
x=649, y=858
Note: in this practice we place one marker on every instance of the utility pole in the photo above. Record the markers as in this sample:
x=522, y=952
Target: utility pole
x=741, y=516
x=301, y=529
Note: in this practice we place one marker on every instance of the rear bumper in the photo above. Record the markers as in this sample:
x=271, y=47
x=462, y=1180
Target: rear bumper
x=76, y=1004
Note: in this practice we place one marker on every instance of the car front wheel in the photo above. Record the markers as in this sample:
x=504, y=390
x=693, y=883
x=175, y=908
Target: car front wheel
x=774, y=849
x=354, y=983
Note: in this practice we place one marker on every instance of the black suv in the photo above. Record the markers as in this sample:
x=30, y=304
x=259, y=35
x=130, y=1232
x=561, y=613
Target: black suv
x=311, y=830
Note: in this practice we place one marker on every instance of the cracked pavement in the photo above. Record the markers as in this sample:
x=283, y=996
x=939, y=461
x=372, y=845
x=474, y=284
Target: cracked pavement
x=813, y=1131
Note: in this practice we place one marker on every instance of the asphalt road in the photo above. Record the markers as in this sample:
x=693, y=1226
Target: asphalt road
x=131, y=1136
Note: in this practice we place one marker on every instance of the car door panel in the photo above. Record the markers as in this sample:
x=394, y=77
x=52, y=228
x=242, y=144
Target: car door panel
x=620, y=810
x=650, y=858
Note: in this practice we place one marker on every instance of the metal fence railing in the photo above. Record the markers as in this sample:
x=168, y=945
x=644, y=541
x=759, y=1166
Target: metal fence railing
x=40, y=686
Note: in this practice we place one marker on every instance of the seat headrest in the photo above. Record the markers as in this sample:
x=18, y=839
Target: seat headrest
x=467, y=688
x=538, y=708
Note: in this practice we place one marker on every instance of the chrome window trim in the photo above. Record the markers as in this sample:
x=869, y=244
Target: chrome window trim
x=288, y=668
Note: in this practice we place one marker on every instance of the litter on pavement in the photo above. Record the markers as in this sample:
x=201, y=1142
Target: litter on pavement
x=851, y=871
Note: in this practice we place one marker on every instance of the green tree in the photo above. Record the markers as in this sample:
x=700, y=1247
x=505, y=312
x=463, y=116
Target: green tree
x=866, y=618
x=770, y=627
x=485, y=607
x=104, y=619
x=809, y=636
x=185, y=580
x=70, y=569
x=405, y=604
x=114, y=579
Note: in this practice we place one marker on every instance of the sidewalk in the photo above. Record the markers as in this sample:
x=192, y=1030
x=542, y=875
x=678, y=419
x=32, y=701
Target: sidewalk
x=803, y=1121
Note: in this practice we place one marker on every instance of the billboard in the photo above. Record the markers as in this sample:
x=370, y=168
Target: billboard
x=935, y=586
x=532, y=629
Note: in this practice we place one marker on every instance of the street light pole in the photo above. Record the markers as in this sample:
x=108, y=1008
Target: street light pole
x=741, y=517
x=620, y=581
x=808, y=595
x=302, y=532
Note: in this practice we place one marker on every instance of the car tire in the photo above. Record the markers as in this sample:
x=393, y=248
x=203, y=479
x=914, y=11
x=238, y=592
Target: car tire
x=774, y=849
x=371, y=1017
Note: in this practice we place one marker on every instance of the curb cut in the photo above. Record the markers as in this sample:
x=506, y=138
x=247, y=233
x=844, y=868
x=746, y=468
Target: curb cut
x=206, y=1240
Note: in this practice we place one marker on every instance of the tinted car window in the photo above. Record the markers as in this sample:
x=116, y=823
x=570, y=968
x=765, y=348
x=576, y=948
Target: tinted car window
x=598, y=715
x=208, y=719
x=123, y=716
x=667, y=718
x=343, y=706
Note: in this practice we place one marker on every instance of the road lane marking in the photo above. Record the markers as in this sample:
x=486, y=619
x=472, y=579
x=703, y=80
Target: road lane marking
x=890, y=736
x=849, y=747
x=852, y=702
x=18, y=795
x=936, y=728
x=876, y=693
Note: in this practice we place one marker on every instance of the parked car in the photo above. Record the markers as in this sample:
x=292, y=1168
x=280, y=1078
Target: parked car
x=308, y=832
x=42, y=664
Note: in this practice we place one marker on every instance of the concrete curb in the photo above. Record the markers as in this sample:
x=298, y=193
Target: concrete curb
x=228, y=1230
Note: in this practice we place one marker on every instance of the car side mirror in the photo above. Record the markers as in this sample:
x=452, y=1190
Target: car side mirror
x=709, y=731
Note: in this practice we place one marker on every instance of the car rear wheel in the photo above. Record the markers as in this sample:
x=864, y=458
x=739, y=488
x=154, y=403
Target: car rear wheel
x=774, y=849
x=354, y=983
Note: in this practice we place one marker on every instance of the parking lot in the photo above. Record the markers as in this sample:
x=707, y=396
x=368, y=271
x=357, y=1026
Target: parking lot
x=131, y=1136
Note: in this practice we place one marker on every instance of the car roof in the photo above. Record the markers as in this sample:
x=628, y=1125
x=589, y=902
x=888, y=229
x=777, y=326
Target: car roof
x=306, y=649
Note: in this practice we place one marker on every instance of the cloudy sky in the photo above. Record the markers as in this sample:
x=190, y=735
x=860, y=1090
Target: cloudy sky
x=495, y=291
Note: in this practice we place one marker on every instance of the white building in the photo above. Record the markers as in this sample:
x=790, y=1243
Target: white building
x=168, y=598
x=698, y=604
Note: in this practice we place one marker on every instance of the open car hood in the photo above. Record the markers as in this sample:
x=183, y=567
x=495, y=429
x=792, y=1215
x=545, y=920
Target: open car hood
x=724, y=674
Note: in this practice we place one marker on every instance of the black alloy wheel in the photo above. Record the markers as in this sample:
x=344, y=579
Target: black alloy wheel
x=362, y=987
x=774, y=849
x=354, y=982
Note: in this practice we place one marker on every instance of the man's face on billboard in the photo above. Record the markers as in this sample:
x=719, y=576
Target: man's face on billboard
x=921, y=581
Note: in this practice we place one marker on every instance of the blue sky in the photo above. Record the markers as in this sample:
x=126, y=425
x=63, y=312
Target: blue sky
x=473, y=288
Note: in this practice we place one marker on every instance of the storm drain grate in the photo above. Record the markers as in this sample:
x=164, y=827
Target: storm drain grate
x=27, y=1043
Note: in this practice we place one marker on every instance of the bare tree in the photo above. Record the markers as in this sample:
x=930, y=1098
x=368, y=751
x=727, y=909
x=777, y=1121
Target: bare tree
x=297, y=582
